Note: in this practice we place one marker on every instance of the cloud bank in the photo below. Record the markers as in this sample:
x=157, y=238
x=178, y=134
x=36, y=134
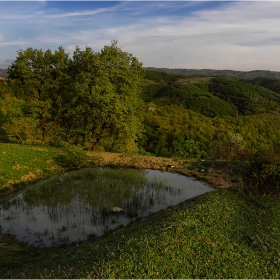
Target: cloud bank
x=217, y=35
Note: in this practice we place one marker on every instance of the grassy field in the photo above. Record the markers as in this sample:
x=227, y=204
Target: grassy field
x=228, y=233
x=22, y=165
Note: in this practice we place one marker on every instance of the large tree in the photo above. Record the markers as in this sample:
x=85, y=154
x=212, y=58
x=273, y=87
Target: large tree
x=43, y=76
x=107, y=87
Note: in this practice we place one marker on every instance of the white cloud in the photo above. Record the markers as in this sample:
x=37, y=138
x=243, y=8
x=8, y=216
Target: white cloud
x=235, y=35
x=241, y=36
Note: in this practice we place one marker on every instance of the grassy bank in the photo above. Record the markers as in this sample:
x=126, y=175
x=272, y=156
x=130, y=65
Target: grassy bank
x=227, y=233
x=222, y=234
x=25, y=164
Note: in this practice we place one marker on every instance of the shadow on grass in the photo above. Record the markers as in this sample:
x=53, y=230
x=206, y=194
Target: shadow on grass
x=73, y=160
x=262, y=223
x=238, y=167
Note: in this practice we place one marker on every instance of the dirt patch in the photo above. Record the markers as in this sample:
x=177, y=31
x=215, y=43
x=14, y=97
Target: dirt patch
x=218, y=176
x=147, y=162
x=18, y=167
x=36, y=148
x=28, y=177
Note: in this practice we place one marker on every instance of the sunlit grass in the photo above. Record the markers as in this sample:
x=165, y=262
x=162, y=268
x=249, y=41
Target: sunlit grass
x=25, y=164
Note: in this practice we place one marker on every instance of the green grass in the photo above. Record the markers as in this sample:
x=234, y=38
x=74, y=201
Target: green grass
x=222, y=234
x=22, y=164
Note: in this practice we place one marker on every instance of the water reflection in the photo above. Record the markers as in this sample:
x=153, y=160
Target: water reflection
x=69, y=207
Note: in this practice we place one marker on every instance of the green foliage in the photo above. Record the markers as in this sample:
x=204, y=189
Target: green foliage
x=95, y=100
x=91, y=99
x=161, y=76
x=195, y=97
x=174, y=131
x=149, y=91
x=222, y=96
x=4, y=88
x=216, y=136
x=247, y=98
x=232, y=147
x=190, y=96
x=226, y=73
x=268, y=83
x=106, y=88
x=186, y=148
x=43, y=77
x=264, y=174
x=16, y=126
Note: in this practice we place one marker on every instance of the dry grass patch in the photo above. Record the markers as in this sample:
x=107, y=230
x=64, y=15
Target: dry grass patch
x=29, y=177
x=137, y=161
x=217, y=175
x=38, y=149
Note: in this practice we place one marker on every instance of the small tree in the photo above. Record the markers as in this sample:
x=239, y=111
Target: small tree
x=232, y=148
x=264, y=174
x=186, y=148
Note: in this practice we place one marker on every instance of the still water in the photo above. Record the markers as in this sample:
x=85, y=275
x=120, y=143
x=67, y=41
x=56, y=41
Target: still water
x=69, y=207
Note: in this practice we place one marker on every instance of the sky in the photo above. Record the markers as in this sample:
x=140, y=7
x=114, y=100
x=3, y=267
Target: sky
x=235, y=35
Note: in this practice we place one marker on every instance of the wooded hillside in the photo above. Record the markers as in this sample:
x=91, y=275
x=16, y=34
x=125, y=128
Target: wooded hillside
x=106, y=101
x=216, y=117
x=212, y=72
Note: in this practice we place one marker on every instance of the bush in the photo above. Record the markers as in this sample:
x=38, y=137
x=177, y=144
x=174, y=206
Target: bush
x=264, y=175
x=186, y=148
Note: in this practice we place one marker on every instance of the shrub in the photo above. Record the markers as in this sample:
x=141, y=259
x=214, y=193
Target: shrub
x=264, y=175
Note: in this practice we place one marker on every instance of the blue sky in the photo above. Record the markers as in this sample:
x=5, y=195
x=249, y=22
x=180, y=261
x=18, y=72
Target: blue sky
x=237, y=35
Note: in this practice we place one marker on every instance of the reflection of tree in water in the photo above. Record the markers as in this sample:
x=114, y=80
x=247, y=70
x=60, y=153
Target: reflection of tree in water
x=94, y=187
x=98, y=190
x=154, y=193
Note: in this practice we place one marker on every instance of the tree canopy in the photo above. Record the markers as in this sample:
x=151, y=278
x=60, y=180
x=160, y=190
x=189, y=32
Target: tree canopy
x=91, y=98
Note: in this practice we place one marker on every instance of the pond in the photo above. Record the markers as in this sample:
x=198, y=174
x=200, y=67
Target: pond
x=69, y=207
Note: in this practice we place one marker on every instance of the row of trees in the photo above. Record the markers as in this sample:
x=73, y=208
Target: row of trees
x=91, y=99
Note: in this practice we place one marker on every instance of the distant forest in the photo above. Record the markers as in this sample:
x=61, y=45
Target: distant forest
x=227, y=73
x=205, y=72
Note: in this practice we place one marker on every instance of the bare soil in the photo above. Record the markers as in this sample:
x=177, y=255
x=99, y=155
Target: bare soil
x=218, y=174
